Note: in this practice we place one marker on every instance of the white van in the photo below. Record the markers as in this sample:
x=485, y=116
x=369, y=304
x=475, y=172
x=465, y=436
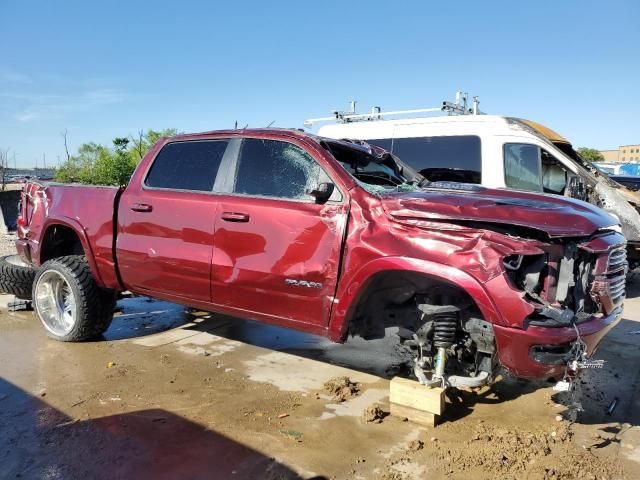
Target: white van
x=496, y=152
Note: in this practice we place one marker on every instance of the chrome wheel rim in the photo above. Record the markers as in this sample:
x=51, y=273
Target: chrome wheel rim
x=55, y=303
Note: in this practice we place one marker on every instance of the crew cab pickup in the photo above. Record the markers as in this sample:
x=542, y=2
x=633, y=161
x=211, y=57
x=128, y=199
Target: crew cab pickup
x=334, y=238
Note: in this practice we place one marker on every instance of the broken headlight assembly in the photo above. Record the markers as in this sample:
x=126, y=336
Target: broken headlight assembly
x=526, y=271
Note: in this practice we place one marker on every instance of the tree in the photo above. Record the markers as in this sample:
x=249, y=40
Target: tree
x=145, y=140
x=590, y=154
x=100, y=165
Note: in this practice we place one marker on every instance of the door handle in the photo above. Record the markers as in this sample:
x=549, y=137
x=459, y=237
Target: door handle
x=141, y=207
x=235, y=217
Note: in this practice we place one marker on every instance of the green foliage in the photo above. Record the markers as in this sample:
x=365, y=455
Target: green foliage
x=100, y=165
x=590, y=154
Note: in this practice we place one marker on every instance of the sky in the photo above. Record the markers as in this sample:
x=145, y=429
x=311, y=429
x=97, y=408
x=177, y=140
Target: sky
x=98, y=70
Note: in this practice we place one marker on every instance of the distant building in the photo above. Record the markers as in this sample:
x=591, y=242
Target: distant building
x=624, y=153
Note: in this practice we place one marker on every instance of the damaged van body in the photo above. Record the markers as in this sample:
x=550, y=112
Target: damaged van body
x=497, y=152
x=334, y=238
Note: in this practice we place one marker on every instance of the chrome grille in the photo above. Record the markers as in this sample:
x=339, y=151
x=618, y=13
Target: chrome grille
x=617, y=260
x=609, y=287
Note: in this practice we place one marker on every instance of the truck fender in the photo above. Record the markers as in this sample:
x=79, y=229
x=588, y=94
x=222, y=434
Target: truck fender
x=84, y=241
x=352, y=287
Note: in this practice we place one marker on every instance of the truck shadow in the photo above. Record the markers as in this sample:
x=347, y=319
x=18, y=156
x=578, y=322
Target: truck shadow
x=40, y=441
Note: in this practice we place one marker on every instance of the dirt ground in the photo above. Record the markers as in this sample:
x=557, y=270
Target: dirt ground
x=175, y=394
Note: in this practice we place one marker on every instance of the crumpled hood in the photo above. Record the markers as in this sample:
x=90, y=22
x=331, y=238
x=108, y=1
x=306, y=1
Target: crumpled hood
x=555, y=215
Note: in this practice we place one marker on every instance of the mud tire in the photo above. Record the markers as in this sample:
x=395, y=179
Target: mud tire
x=94, y=306
x=16, y=277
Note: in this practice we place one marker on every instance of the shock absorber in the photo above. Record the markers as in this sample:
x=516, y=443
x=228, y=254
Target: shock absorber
x=445, y=325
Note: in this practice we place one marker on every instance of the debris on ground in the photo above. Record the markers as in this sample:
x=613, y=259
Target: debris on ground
x=548, y=455
x=283, y=415
x=415, y=445
x=341, y=388
x=373, y=414
x=111, y=365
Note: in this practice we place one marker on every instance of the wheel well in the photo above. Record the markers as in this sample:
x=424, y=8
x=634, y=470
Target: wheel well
x=391, y=299
x=58, y=241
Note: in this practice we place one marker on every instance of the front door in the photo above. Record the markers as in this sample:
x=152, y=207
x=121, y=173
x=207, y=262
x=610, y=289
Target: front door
x=166, y=226
x=276, y=251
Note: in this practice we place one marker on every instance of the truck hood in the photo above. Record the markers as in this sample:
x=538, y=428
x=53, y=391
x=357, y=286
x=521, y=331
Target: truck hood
x=557, y=216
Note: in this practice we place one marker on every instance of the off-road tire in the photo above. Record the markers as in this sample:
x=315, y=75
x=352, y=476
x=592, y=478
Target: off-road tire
x=94, y=305
x=16, y=277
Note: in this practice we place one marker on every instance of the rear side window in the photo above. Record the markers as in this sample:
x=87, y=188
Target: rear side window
x=187, y=165
x=456, y=158
x=522, y=166
x=271, y=168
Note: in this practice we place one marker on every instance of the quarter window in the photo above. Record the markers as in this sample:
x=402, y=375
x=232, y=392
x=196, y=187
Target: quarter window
x=271, y=168
x=522, y=166
x=187, y=165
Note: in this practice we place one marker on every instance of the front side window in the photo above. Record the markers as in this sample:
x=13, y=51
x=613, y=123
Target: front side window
x=554, y=174
x=522, y=166
x=187, y=165
x=271, y=168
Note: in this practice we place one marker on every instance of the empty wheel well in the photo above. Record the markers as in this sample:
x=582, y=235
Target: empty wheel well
x=60, y=241
x=391, y=299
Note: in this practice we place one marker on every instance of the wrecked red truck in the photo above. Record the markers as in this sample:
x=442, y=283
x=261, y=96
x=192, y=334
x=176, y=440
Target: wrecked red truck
x=333, y=238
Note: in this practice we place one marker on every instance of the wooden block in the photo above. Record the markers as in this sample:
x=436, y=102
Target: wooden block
x=409, y=393
x=416, y=416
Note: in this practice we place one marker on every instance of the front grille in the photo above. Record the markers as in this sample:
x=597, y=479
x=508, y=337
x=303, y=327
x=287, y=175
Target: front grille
x=609, y=287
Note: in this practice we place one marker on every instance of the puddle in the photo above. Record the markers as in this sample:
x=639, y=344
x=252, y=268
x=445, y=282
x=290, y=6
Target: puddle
x=140, y=316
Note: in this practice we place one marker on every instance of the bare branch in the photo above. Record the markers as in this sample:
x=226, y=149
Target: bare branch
x=138, y=143
x=66, y=147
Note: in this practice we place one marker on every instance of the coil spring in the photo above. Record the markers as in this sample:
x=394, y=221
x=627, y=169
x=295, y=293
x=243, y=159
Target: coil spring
x=444, y=329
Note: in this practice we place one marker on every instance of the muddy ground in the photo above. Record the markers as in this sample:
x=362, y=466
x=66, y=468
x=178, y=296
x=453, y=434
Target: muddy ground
x=173, y=394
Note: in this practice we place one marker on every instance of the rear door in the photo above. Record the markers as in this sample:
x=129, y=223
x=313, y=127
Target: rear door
x=166, y=224
x=276, y=251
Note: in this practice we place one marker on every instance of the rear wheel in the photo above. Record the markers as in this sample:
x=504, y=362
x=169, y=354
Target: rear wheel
x=16, y=277
x=67, y=301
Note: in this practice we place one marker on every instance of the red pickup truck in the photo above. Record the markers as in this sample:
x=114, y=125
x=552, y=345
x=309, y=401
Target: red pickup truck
x=334, y=238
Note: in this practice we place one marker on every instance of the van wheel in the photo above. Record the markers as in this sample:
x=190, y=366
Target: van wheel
x=16, y=277
x=67, y=301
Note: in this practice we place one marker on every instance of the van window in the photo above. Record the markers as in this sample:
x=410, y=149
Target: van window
x=522, y=166
x=455, y=158
x=187, y=165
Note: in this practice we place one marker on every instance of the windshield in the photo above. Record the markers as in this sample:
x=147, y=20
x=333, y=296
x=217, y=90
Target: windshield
x=568, y=150
x=375, y=169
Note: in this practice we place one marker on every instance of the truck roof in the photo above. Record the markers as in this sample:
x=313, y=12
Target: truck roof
x=271, y=131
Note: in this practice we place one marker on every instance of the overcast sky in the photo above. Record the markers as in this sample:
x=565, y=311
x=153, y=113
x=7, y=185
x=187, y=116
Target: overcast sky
x=110, y=68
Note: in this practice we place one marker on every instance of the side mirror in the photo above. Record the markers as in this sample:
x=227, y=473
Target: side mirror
x=322, y=193
x=577, y=187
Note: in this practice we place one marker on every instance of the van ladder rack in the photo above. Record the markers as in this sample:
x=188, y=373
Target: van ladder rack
x=459, y=107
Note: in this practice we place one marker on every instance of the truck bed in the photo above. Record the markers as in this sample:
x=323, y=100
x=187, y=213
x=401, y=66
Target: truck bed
x=87, y=210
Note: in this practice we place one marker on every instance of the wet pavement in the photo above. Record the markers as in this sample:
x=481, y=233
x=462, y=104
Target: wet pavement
x=170, y=393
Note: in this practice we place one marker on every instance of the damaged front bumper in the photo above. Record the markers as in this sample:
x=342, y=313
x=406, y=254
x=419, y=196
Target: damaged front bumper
x=582, y=291
x=541, y=352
